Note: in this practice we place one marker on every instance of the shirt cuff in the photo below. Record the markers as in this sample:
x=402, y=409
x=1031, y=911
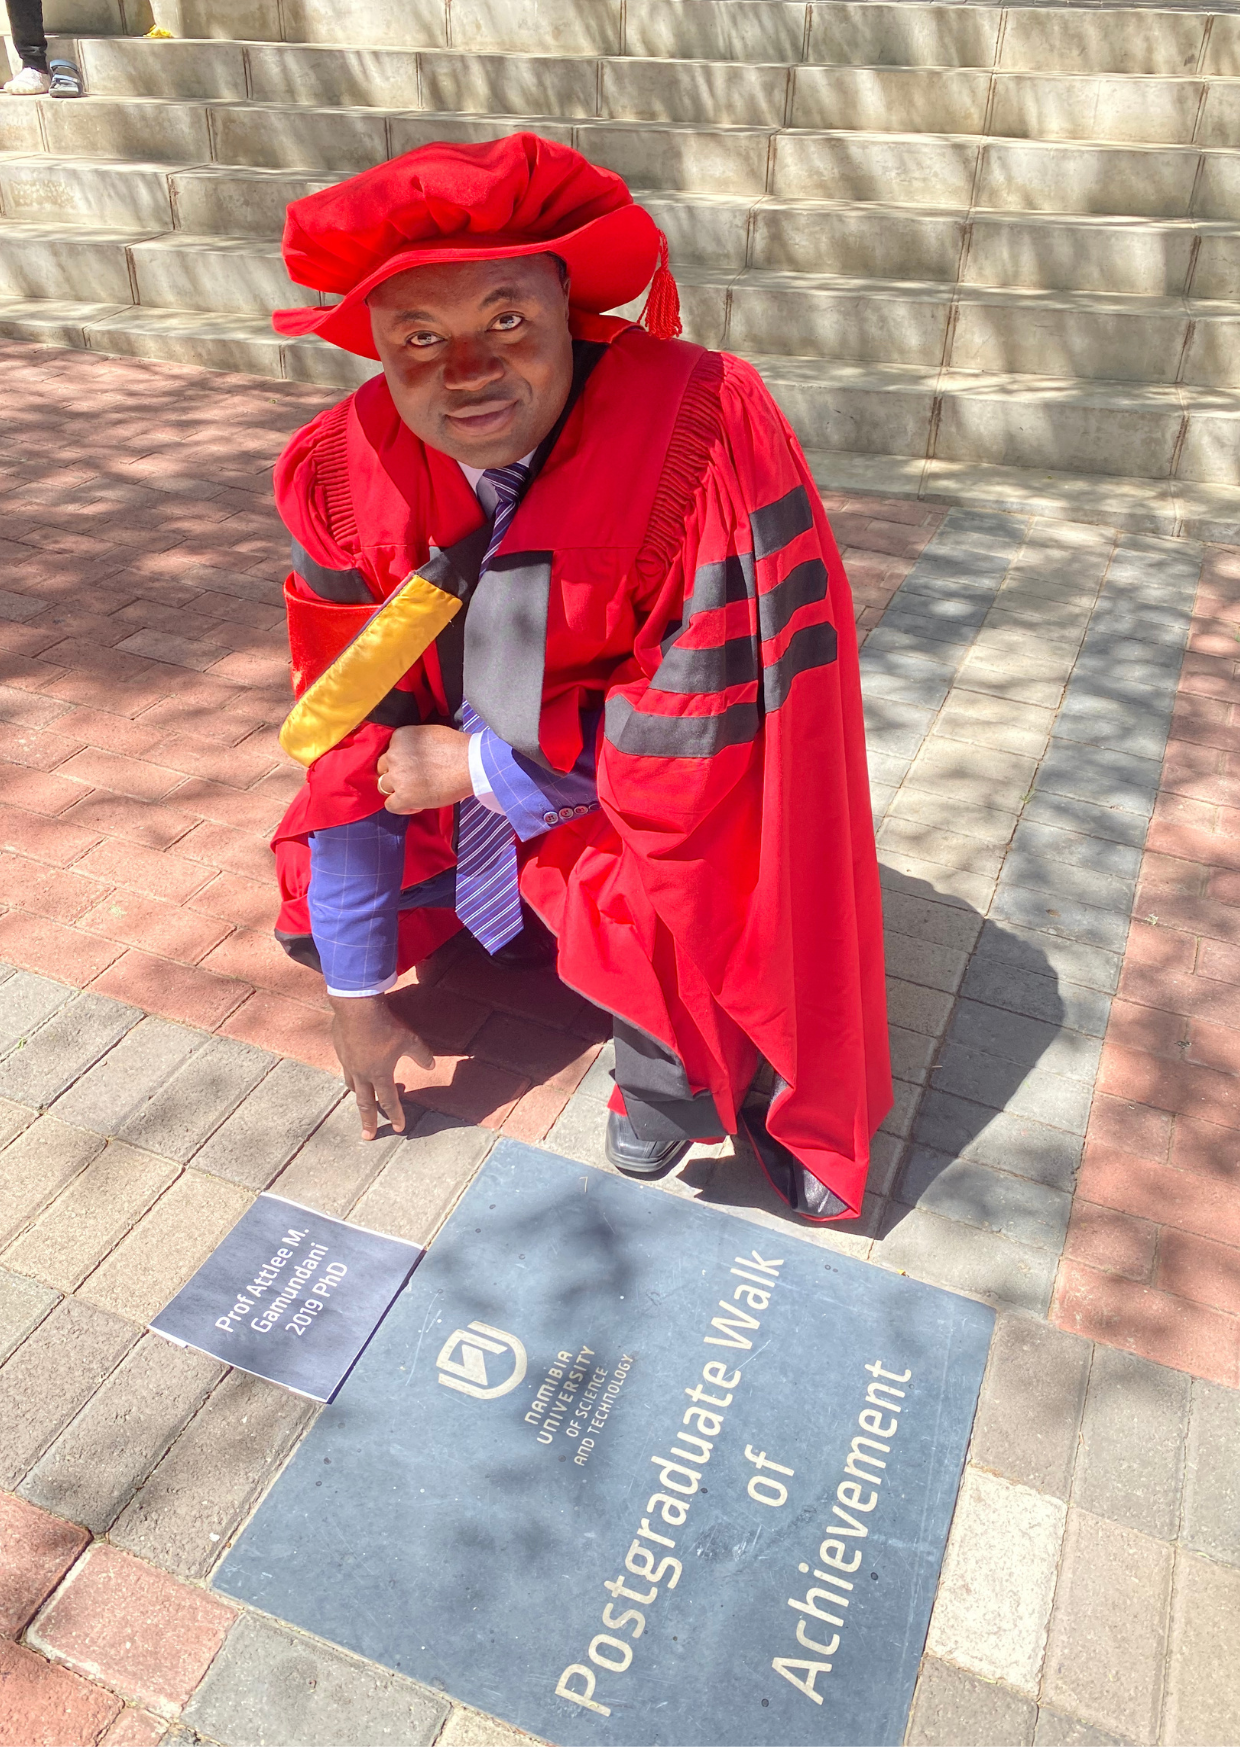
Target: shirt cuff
x=375, y=988
x=478, y=775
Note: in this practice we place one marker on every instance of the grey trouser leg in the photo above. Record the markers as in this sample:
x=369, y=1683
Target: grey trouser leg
x=656, y=1091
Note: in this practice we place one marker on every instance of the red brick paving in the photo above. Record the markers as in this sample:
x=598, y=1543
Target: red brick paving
x=46, y=1705
x=121, y=1622
x=143, y=677
x=36, y=1550
x=1152, y=1260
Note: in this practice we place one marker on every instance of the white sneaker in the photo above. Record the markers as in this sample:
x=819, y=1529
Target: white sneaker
x=29, y=83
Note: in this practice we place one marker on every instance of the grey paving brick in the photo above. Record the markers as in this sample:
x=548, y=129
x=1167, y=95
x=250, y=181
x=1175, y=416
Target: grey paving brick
x=1108, y=1634
x=172, y=1239
x=1042, y=998
x=925, y=692
x=1050, y=914
x=953, y=1709
x=1203, y=1680
x=597, y=1081
x=1029, y=1412
x=932, y=843
x=894, y=728
x=911, y=913
x=1049, y=955
x=962, y=1189
x=1211, y=1522
x=467, y=1728
x=51, y=1375
x=990, y=825
x=920, y=1010
x=955, y=574
x=983, y=720
x=1038, y=872
x=883, y=662
x=992, y=1080
x=886, y=769
x=25, y=1002
x=967, y=1130
x=1075, y=849
x=133, y=1070
x=1119, y=728
x=950, y=767
x=178, y=1118
x=1125, y=659
x=886, y=1155
x=13, y=1119
x=952, y=886
x=335, y=1165
x=942, y=630
x=23, y=1305
x=1143, y=622
x=1065, y=621
x=950, y=1254
x=1131, y=1467
x=424, y=1178
x=63, y=1048
x=1114, y=824
x=577, y=1132
x=182, y=1516
x=1056, y=1730
x=911, y=1053
x=1028, y=1042
x=270, y=1124
x=36, y=1167
x=899, y=1119
x=921, y=962
x=93, y=1469
x=90, y=1216
x=269, y=1685
x=1099, y=776
x=1000, y=530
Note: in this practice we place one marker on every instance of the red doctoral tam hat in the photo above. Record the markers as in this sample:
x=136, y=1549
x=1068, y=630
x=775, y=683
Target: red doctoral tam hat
x=521, y=195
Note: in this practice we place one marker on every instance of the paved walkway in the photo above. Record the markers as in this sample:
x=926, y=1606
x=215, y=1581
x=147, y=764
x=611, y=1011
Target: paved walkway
x=1061, y=1143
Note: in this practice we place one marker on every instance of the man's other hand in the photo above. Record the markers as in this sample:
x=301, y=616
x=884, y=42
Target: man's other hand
x=425, y=766
x=370, y=1041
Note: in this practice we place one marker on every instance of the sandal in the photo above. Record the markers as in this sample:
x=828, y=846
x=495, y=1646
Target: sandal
x=66, y=79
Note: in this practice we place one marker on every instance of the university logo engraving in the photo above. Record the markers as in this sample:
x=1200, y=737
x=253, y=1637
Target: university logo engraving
x=469, y=1373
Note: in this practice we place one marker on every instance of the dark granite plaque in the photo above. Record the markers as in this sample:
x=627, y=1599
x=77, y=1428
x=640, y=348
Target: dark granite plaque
x=620, y=1468
x=290, y=1295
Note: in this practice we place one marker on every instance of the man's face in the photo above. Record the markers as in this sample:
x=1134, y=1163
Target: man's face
x=477, y=354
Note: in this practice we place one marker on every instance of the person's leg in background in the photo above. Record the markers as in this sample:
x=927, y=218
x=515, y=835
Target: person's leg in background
x=30, y=41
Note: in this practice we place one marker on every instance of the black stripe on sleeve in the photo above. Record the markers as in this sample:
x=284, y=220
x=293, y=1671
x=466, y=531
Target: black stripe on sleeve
x=804, y=583
x=776, y=524
x=348, y=588
x=734, y=663
x=812, y=647
x=715, y=585
x=678, y=737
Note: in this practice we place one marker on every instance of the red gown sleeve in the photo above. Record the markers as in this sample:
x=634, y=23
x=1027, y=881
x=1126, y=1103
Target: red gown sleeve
x=734, y=771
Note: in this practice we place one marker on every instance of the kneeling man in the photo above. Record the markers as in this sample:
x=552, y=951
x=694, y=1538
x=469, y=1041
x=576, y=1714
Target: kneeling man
x=572, y=642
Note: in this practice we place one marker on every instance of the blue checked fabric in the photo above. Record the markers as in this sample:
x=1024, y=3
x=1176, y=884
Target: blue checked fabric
x=488, y=900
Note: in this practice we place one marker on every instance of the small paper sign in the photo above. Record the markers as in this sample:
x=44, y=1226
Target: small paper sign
x=290, y=1295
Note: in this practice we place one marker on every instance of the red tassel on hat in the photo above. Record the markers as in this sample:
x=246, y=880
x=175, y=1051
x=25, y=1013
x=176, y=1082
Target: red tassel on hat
x=661, y=315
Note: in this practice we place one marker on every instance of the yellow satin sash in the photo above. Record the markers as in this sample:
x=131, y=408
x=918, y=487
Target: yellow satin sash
x=367, y=668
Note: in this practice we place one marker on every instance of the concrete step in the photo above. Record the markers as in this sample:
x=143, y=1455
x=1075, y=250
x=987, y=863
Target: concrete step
x=1120, y=108
x=1148, y=506
x=940, y=170
x=1126, y=429
x=1179, y=110
x=204, y=200
x=1116, y=39
x=961, y=419
x=862, y=320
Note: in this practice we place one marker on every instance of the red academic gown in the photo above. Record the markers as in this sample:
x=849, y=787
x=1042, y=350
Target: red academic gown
x=672, y=563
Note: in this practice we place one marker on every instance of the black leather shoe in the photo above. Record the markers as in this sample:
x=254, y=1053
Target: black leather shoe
x=639, y=1158
x=533, y=947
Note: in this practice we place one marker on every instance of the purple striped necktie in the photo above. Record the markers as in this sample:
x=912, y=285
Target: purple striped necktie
x=488, y=899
